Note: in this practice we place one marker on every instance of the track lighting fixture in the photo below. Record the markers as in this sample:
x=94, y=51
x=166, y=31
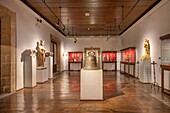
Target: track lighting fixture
x=64, y=28
x=75, y=40
x=58, y=22
x=119, y=28
x=38, y=21
x=108, y=37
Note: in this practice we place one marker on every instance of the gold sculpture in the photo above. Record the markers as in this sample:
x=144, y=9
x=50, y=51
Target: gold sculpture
x=147, y=50
x=40, y=54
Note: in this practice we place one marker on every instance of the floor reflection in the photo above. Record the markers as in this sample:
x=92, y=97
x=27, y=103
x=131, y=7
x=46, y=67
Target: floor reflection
x=62, y=95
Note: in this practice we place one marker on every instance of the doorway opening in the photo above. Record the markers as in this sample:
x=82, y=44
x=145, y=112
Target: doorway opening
x=55, y=48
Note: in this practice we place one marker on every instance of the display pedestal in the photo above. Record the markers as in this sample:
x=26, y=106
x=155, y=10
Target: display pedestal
x=91, y=85
x=30, y=71
x=42, y=74
x=50, y=67
x=145, y=73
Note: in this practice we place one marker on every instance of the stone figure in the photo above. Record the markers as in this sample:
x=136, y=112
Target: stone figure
x=147, y=50
x=40, y=54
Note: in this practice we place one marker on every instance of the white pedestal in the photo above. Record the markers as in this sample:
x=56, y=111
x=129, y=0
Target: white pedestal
x=50, y=67
x=30, y=71
x=145, y=71
x=91, y=84
x=42, y=74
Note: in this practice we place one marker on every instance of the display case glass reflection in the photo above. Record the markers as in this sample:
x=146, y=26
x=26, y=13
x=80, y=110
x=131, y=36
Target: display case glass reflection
x=75, y=56
x=109, y=56
x=128, y=55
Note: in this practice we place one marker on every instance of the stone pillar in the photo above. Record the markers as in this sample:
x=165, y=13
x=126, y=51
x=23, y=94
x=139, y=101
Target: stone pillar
x=8, y=50
x=145, y=71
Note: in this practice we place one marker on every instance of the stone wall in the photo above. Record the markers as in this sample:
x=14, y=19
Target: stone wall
x=8, y=50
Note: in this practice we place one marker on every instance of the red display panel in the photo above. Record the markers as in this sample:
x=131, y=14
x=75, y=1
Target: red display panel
x=128, y=55
x=75, y=56
x=109, y=56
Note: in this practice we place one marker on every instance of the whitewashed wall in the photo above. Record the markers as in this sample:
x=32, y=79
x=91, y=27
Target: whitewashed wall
x=28, y=34
x=113, y=44
x=151, y=26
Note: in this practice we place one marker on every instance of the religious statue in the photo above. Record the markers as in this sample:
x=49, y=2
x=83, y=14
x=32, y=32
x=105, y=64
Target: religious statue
x=147, y=50
x=40, y=54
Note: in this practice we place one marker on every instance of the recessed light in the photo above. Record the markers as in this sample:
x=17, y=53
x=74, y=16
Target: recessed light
x=87, y=13
x=88, y=28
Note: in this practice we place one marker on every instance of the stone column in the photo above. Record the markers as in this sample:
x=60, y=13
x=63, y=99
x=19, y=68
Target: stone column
x=8, y=50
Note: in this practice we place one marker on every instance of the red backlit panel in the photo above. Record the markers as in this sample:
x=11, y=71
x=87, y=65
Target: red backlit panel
x=128, y=55
x=108, y=56
x=75, y=56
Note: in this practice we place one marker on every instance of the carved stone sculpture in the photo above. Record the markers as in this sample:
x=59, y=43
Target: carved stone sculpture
x=40, y=54
x=90, y=63
x=27, y=52
x=47, y=54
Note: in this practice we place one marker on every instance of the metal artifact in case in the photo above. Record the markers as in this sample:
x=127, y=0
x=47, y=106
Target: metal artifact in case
x=128, y=59
x=109, y=57
x=75, y=57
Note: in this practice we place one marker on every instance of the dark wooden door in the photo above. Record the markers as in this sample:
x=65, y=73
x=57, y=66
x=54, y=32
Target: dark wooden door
x=54, y=50
x=0, y=60
x=56, y=57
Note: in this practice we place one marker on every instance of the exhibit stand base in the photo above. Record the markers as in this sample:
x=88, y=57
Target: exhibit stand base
x=91, y=84
x=50, y=68
x=42, y=74
x=30, y=71
x=145, y=73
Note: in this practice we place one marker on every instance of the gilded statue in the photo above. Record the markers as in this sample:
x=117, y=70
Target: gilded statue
x=40, y=54
x=147, y=50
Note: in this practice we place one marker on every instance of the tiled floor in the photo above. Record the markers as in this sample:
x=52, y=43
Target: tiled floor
x=61, y=95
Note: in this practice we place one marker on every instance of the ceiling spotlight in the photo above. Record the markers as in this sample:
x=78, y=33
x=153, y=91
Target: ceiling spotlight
x=39, y=20
x=119, y=28
x=37, y=24
x=58, y=22
x=68, y=33
x=88, y=28
x=75, y=40
x=87, y=13
x=108, y=37
x=64, y=28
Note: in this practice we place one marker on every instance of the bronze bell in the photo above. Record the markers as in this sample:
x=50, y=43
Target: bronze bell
x=90, y=62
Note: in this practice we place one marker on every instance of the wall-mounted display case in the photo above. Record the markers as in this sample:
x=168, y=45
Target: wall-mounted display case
x=109, y=57
x=165, y=62
x=128, y=55
x=128, y=59
x=75, y=57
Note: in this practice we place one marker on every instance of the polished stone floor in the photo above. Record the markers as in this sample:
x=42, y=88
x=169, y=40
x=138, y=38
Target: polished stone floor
x=122, y=94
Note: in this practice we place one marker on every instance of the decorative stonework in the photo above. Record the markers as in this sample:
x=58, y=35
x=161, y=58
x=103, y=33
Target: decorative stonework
x=8, y=50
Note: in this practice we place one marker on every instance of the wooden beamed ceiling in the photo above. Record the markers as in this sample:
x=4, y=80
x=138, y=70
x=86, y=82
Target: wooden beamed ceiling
x=107, y=17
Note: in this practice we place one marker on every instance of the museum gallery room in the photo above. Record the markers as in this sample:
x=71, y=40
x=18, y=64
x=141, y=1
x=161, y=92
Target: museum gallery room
x=85, y=56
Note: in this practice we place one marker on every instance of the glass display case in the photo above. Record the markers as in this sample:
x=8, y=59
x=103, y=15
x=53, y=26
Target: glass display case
x=109, y=57
x=128, y=59
x=128, y=55
x=75, y=57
